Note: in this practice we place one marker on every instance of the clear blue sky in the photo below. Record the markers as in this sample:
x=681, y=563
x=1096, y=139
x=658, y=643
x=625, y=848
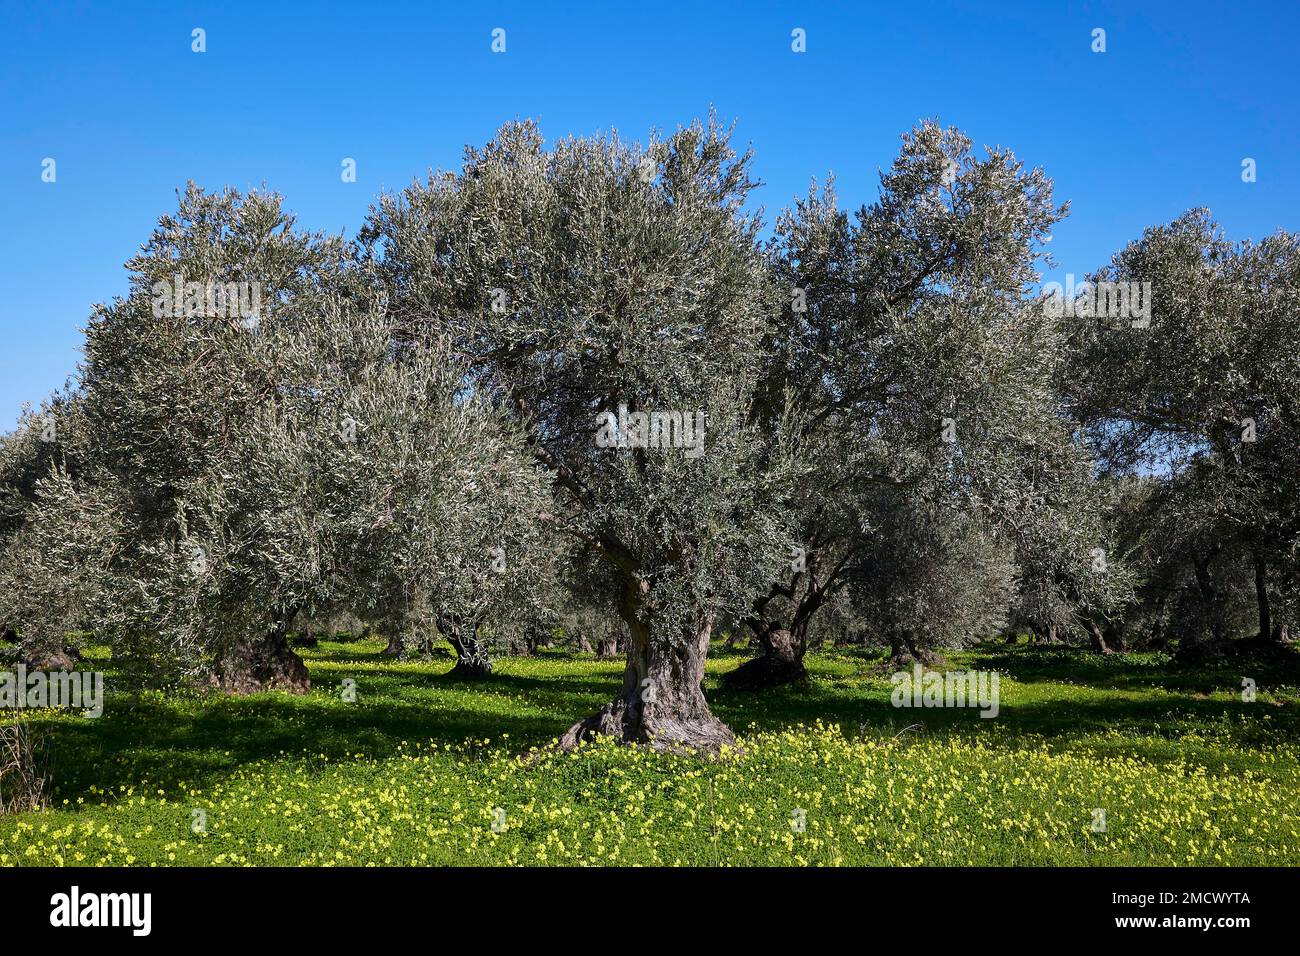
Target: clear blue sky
x=1158, y=123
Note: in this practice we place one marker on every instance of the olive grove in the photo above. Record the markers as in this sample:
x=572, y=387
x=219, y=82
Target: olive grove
x=581, y=389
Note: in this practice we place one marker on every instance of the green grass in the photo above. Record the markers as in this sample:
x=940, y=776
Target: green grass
x=421, y=765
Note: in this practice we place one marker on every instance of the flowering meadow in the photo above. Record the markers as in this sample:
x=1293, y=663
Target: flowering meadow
x=1090, y=761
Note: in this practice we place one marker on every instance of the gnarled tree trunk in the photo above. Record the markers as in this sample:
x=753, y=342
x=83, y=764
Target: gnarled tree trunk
x=1096, y=638
x=780, y=663
x=662, y=702
x=782, y=632
x=42, y=655
x=1195, y=647
x=1261, y=597
x=255, y=664
x=472, y=658
x=904, y=652
x=1211, y=599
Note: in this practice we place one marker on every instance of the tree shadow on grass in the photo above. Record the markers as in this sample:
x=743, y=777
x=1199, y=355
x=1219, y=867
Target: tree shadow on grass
x=198, y=741
x=1141, y=700
x=140, y=741
x=168, y=742
x=1130, y=671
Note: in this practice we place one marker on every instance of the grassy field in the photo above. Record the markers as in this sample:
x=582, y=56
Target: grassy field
x=426, y=769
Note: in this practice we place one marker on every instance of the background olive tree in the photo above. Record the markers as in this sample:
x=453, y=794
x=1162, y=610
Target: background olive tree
x=1200, y=407
x=236, y=468
x=926, y=373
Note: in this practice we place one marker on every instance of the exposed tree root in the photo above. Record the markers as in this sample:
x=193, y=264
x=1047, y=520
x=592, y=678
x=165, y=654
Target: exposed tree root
x=648, y=725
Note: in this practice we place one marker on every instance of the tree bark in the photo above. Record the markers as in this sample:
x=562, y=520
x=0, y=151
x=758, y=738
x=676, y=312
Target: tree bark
x=1193, y=646
x=1261, y=596
x=780, y=663
x=662, y=703
x=1210, y=599
x=41, y=655
x=49, y=657
x=783, y=636
x=472, y=658
x=904, y=652
x=1096, y=638
x=255, y=664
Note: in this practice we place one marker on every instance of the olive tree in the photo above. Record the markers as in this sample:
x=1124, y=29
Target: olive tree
x=261, y=439
x=924, y=371
x=56, y=531
x=383, y=482
x=616, y=297
x=173, y=376
x=1201, y=400
x=932, y=577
